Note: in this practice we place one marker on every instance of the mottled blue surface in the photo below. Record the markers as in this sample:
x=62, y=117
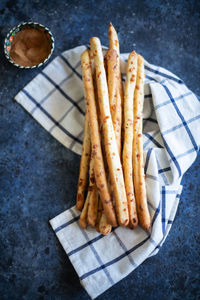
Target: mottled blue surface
x=39, y=176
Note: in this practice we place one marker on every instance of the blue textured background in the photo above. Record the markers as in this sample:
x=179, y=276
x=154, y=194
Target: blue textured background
x=39, y=176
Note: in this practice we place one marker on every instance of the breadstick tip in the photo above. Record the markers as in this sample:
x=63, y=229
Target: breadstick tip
x=146, y=224
x=140, y=59
x=133, y=53
x=94, y=40
x=83, y=224
x=84, y=54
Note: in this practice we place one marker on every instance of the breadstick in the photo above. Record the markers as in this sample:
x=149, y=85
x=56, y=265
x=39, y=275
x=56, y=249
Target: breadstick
x=99, y=169
x=112, y=68
x=112, y=155
x=114, y=95
x=138, y=165
x=104, y=227
x=114, y=44
x=84, y=165
x=83, y=216
x=128, y=137
x=93, y=199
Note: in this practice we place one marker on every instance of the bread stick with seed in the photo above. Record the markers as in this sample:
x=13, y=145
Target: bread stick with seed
x=83, y=216
x=93, y=199
x=114, y=44
x=84, y=165
x=112, y=155
x=104, y=227
x=131, y=74
x=114, y=95
x=138, y=165
x=99, y=169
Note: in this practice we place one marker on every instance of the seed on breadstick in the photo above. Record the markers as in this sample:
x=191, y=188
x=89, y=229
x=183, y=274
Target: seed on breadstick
x=93, y=199
x=112, y=155
x=138, y=164
x=131, y=74
x=114, y=95
x=99, y=169
x=84, y=165
x=83, y=216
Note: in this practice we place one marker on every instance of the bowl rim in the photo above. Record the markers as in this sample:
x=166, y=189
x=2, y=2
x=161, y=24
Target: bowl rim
x=21, y=25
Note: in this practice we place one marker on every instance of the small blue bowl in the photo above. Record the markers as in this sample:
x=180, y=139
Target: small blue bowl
x=10, y=36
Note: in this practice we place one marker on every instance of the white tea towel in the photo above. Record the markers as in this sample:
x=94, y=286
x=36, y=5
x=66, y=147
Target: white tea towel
x=171, y=142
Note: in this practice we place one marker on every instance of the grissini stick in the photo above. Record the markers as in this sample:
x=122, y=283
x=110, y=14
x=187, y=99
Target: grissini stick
x=131, y=74
x=112, y=155
x=99, y=169
x=113, y=38
x=83, y=216
x=93, y=199
x=114, y=44
x=84, y=165
x=104, y=227
x=114, y=95
x=138, y=164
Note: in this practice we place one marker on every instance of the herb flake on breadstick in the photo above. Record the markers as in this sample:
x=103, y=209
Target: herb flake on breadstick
x=128, y=137
x=138, y=164
x=84, y=165
x=99, y=169
x=112, y=155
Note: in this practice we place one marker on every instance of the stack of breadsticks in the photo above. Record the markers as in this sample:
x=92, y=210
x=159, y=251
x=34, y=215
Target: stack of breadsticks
x=112, y=153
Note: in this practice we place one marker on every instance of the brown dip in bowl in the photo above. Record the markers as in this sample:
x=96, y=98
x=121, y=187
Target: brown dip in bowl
x=29, y=45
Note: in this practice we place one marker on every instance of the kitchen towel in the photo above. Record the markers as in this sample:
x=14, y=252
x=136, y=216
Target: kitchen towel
x=171, y=142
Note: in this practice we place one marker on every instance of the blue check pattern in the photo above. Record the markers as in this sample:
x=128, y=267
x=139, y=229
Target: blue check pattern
x=171, y=142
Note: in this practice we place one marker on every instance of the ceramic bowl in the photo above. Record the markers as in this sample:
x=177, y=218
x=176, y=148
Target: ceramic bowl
x=10, y=36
